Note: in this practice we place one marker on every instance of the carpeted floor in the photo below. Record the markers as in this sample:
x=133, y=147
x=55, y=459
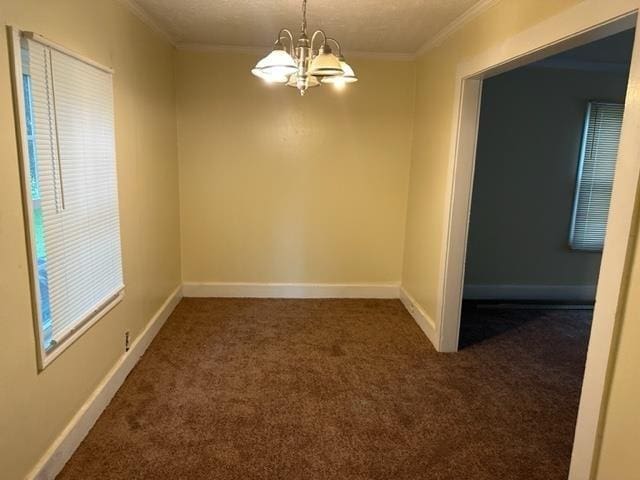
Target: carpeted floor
x=342, y=389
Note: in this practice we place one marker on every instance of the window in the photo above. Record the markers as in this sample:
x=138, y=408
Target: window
x=70, y=189
x=595, y=175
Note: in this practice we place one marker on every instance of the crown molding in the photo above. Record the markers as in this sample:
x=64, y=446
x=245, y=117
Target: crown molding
x=255, y=50
x=144, y=16
x=475, y=11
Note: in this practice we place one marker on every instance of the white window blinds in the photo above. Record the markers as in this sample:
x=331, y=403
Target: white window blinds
x=595, y=175
x=74, y=223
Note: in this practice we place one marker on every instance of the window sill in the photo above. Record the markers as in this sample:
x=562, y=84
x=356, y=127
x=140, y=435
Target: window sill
x=46, y=358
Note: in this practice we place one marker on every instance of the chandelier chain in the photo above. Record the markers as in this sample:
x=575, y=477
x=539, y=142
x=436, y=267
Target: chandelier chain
x=304, y=16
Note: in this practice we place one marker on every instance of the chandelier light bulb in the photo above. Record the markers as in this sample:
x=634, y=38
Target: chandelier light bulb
x=339, y=84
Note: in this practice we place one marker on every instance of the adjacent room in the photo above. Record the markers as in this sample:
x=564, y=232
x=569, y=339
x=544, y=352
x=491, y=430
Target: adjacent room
x=547, y=145
x=311, y=239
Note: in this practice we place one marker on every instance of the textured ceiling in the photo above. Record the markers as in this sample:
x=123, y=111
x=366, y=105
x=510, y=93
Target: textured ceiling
x=387, y=26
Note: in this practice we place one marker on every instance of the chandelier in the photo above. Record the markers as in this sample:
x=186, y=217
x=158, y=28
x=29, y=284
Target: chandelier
x=302, y=66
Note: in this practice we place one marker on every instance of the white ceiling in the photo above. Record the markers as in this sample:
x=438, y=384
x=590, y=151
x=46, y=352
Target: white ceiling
x=380, y=26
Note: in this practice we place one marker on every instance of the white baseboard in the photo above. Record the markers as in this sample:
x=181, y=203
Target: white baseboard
x=583, y=293
x=291, y=290
x=60, y=451
x=424, y=321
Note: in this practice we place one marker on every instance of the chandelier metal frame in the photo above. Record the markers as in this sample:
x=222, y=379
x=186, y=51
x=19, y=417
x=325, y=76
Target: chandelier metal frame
x=301, y=65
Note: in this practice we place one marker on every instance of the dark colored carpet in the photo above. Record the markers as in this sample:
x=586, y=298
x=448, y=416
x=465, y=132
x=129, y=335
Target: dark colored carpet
x=342, y=389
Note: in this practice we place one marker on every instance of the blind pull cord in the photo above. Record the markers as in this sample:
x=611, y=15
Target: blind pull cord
x=60, y=183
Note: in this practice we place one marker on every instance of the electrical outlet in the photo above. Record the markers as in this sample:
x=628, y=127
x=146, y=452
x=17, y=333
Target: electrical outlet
x=126, y=341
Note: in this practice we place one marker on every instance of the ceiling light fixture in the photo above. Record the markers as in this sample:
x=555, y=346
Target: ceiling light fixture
x=302, y=66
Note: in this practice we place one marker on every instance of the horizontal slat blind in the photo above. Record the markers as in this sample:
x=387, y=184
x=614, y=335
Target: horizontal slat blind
x=595, y=177
x=72, y=116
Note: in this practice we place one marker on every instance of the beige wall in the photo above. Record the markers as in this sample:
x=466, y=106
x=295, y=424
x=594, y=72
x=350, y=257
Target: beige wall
x=274, y=188
x=278, y=188
x=621, y=436
x=531, y=125
x=34, y=408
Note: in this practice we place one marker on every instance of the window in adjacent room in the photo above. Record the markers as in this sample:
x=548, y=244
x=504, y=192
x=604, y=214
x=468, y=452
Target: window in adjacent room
x=70, y=189
x=595, y=175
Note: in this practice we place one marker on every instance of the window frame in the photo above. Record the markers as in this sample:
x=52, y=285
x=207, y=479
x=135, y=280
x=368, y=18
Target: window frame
x=581, y=160
x=44, y=357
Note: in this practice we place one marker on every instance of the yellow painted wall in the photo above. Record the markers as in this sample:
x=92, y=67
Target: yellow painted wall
x=621, y=435
x=278, y=188
x=273, y=188
x=34, y=408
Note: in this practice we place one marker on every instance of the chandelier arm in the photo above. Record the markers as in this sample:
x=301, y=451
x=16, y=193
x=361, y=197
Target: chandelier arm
x=289, y=36
x=313, y=37
x=331, y=39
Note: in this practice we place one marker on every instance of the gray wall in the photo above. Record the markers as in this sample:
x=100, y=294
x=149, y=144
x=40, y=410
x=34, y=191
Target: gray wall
x=528, y=150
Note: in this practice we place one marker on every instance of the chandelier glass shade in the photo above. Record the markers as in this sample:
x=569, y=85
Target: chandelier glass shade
x=347, y=77
x=302, y=65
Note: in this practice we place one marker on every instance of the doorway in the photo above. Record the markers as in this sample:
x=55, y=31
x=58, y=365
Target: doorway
x=565, y=32
x=545, y=159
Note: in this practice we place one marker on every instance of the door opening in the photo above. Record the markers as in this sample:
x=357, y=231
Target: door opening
x=571, y=31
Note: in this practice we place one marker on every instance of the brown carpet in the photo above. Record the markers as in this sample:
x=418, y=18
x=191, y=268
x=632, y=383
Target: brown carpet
x=342, y=389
